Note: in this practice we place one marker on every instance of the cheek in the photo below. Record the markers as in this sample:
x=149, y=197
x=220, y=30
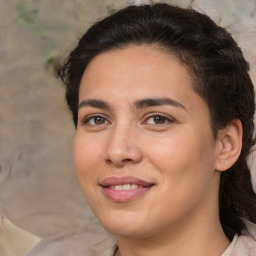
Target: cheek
x=86, y=154
x=185, y=165
x=183, y=156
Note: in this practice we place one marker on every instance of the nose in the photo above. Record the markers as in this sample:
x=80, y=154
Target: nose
x=123, y=147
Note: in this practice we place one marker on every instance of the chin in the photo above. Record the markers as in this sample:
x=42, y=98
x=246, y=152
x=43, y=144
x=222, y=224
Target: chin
x=127, y=225
x=124, y=231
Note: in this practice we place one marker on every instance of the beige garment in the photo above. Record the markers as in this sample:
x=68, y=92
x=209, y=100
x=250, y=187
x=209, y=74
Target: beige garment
x=76, y=244
x=15, y=241
x=231, y=247
x=89, y=244
x=246, y=243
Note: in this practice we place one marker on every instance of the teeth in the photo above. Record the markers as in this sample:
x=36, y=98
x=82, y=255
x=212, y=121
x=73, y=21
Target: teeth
x=135, y=186
x=118, y=187
x=125, y=187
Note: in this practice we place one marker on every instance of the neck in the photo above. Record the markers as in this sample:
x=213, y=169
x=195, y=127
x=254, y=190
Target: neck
x=198, y=241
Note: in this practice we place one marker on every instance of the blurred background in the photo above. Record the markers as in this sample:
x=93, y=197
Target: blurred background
x=39, y=190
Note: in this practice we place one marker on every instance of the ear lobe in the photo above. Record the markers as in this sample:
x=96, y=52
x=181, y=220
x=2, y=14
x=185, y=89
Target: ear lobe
x=229, y=145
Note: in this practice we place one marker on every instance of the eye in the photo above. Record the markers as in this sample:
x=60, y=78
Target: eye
x=95, y=120
x=159, y=119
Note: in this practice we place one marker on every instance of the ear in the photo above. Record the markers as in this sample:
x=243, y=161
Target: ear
x=229, y=145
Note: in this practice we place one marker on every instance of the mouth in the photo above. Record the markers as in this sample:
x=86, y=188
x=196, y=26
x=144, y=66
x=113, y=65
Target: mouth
x=125, y=187
x=122, y=189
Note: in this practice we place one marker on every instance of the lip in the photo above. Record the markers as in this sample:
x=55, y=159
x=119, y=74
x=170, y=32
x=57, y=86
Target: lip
x=125, y=195
x=112, y=181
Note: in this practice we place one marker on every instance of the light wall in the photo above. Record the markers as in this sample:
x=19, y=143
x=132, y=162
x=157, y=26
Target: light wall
x=39, y=190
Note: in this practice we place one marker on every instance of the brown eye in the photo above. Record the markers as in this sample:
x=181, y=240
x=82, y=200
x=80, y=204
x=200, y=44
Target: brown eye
x=98, y=120
x=95, y=120
x=159, y=120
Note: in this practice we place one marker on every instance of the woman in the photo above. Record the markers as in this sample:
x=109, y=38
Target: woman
x=163, y=108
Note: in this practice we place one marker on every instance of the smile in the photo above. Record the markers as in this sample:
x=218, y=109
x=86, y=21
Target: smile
x=123, y=189
x=126, y=187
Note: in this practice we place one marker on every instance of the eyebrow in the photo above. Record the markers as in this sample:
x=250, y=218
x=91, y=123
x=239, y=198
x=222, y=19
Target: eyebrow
x=94, y=103
x=139, y=104
x=152, y=102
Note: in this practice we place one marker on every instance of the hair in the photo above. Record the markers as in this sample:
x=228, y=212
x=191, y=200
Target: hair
x=220, y=77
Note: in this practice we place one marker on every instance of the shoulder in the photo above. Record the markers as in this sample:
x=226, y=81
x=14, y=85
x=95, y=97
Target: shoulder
x=246, y=243
x=14, y=240
x=75, y=244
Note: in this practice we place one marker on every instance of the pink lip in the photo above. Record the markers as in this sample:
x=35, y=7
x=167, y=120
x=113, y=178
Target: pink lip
x=112, y=181
x=124, y=195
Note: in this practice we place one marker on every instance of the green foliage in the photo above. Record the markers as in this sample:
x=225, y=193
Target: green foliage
x=111, y=8
x=25, y=15
x=52, y=60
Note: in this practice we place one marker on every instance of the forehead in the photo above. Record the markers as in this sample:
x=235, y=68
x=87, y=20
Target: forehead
x=123, y=77
x=133, y=67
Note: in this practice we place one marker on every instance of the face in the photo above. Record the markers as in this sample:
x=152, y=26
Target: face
x=144, y=149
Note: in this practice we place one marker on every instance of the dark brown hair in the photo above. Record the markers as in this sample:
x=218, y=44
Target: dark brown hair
x=217, y=66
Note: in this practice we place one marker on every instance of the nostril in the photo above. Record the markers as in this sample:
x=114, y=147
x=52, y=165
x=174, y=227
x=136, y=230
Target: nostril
x=120, y=152
x=118, y=162
x=127, y=160
x=108, y=161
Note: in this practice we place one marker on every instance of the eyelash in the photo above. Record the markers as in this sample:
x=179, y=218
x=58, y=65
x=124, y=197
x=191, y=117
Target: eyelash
x=87, y=119
x=167, y=119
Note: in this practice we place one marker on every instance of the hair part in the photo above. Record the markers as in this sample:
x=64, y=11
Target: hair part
x=220, y=77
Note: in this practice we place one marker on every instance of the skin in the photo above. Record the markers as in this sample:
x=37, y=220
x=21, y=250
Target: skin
x=176, y=151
